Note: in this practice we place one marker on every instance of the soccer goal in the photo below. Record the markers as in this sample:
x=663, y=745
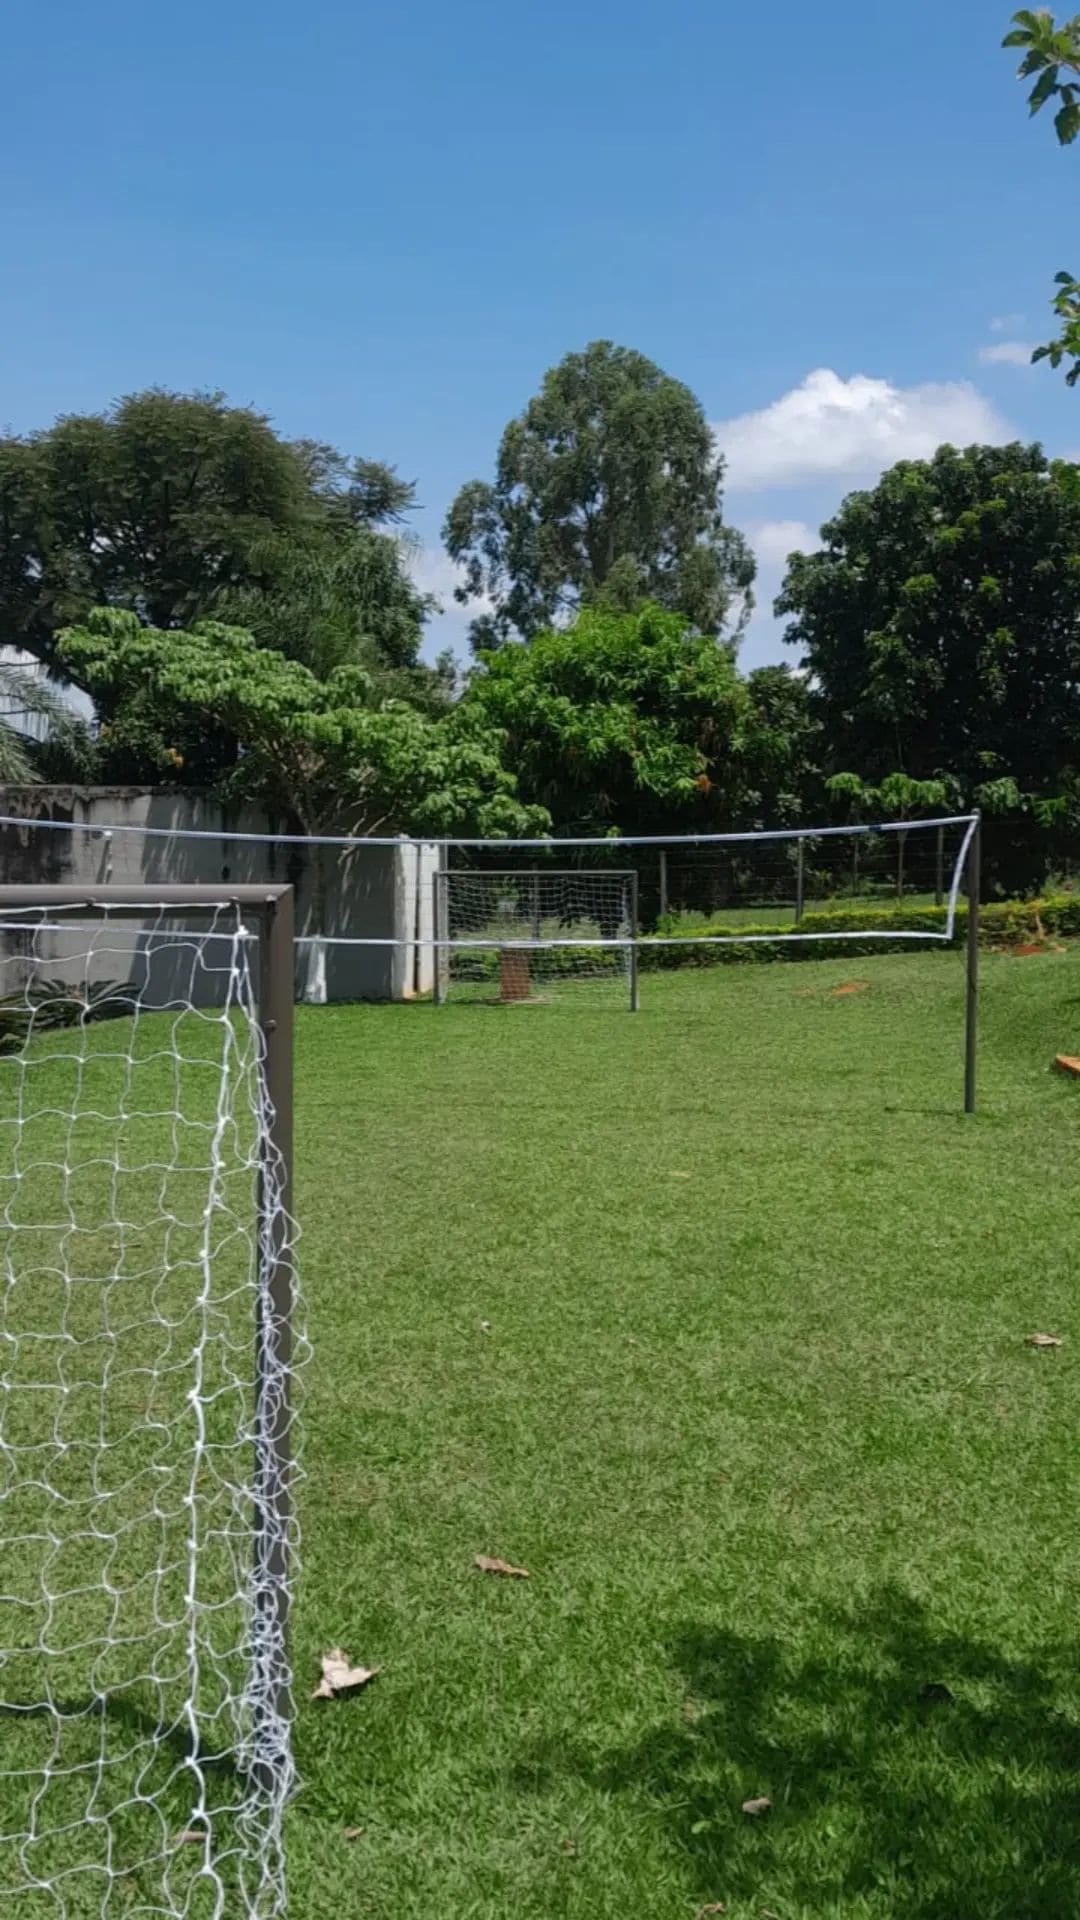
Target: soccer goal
x=147, y=1352
x=517, y=935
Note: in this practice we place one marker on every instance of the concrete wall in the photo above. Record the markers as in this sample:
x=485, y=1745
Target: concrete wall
x=362, y=892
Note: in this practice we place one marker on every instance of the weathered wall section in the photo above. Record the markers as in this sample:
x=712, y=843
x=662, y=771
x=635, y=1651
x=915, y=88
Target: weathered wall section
x=358, y=893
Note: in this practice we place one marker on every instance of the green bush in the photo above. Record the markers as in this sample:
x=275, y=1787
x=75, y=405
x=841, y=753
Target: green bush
x=1002, y=923
x=481, y=964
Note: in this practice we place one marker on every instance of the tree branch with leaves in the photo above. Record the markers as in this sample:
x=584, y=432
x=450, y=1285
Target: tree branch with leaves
x=1052, y=59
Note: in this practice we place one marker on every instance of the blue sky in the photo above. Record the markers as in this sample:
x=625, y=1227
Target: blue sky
x=382, y=224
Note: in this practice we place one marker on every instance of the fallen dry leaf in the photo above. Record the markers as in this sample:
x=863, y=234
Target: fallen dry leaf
x=676, y=1175
x=755, y=1808
x=714, y=1906
x=1042, y=1340
x=485, y=1326
x=351, y=1833
x=340, y=1676
x=191, y=1837
x=485, y=1564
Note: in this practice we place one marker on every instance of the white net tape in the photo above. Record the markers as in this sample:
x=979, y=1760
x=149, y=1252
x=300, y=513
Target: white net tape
x=515, y=934
x=144, y=1738
x=539, y=921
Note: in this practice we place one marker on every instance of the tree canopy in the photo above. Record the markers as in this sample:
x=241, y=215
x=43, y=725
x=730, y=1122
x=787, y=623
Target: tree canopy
x=178, y=508
x=636, y=722
x=330, y=752
x=607, y=490
x=940, y=623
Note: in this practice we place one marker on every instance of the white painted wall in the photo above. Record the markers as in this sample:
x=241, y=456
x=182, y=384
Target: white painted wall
x=368, y=892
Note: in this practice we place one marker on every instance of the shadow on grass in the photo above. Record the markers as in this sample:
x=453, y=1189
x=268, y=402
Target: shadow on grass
x=127, y=1715
x=913, y=1773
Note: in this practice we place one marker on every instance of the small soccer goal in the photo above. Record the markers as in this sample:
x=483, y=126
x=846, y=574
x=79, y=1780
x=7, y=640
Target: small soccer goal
x=517, y=936
x=146, y=1365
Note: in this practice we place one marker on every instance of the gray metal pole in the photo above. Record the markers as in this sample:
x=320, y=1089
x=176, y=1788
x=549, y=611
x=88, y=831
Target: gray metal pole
x=273, y=1340
x=439, y=956
x=800, y=883
x=939, y=870
x=635, y=997
x=971, y=1020
x=535, y=891
x=663, y=882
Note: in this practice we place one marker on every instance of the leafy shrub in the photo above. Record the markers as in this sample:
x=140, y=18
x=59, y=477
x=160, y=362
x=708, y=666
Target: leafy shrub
x=1002, y=923
x=53, y=1003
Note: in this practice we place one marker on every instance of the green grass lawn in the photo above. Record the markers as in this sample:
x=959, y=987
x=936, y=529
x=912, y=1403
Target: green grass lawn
x=713, y=1318
x=754, y=1409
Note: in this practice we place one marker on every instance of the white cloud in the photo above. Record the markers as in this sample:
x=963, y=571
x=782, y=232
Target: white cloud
x=856, y=427
x=1006, y=353
x=1007, y=323
x=773, y=540
x=433, y=571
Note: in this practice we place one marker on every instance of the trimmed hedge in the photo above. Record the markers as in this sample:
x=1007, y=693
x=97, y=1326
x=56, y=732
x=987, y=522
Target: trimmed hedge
x=1002, y=923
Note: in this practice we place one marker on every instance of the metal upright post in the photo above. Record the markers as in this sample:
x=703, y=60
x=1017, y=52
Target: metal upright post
x=440, y=957
x=273, y=1341
x=635, y=999
x=971, y=1022
x=535, y=915
x=663, y=883
x=939, y=869
x=800, y=881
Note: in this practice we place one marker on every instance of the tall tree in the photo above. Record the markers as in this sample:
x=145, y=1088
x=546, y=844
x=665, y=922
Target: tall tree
x=1051, y=52
x=636, y=722
x=607, y=490
x=177, y=507
x=940, y=623
x=332, y=753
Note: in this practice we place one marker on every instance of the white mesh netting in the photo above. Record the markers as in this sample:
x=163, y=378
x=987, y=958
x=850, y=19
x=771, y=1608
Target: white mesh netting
x=519, y=934
x=145, y=1543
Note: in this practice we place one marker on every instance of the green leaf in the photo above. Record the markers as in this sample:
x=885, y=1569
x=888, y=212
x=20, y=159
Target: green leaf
x=1064, y=280
x=1041, y=92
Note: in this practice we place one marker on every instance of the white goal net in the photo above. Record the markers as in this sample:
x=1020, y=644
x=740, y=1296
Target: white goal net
x=519, y=934
x=145, y=1540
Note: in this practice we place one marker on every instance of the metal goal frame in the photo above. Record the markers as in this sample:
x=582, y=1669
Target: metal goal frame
x=271, y=912
x=444, y=944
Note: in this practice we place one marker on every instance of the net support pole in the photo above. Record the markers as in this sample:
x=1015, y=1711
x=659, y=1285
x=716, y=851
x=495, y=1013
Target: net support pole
x=971, y=1011
x=273, y=1349
x=663, y=883
x=939, y=870
x=800, y=881
x=635, y=996
x=439, y=955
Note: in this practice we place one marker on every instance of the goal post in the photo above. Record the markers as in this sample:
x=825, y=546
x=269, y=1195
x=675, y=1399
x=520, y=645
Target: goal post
x=513, y=935
x=147, y=1333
